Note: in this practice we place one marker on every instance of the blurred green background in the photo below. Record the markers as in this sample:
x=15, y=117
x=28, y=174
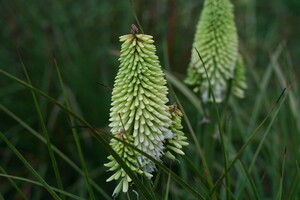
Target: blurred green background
x=83, y=36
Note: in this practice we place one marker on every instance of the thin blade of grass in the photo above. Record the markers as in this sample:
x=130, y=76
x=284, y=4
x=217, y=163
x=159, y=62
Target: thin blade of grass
x=39, y=184
x=157, y=179
x=219, y=125
x=29, y=167
x=75, y=134
x=258, y=149
x=55, y=149
x=168, y=187
x=262, y=142
x=263, y=87
x=195, y=170
x=253, y=186
x=276, y=107
x=282, y=174
x=45, y=131
x=294, y=104
x=293, y=187
x=135, y=16
x=20, y=192
x=229, y=191
x=198, y=174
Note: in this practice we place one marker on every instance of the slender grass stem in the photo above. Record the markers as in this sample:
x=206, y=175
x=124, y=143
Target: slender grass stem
x=29, y=167
x=55, y=149
x=276, y=107
x=45, y=131
x=20, y=192
x=219, y=125
x=75, y=134
x=39, y=184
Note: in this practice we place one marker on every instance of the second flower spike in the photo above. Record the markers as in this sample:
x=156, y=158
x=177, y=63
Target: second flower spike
x=216, y=40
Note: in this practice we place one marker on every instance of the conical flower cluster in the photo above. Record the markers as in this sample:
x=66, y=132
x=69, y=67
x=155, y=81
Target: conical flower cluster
x=217, y=42
x=139, y=114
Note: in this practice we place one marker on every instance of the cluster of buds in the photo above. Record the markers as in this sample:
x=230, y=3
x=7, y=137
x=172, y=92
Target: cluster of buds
x=178, y=139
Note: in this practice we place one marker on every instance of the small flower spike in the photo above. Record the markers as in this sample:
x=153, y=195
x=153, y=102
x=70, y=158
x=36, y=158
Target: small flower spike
x=176, y=143
x=217, y=42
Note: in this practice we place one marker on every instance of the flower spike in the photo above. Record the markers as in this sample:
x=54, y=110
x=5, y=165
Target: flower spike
x=217, y=41
x=139, y=114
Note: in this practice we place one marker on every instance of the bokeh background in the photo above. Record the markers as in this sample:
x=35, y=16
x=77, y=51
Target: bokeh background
x=83, y=36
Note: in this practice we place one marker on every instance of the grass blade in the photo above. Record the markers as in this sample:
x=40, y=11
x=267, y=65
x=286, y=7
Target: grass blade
x=20, y=192
x=274, y=110
x=39, y=184
x=40, y=117
x=263, y=87
x=168, y=187
x=55, y=149
x=75, y=134
x=262, y=141
x=29, y=167
x=282, y=174
x=135, y=16
x=219, y=125
x=195, y=170
x=253, y=186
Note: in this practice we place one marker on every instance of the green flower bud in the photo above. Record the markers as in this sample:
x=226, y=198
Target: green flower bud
x=217, y=42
